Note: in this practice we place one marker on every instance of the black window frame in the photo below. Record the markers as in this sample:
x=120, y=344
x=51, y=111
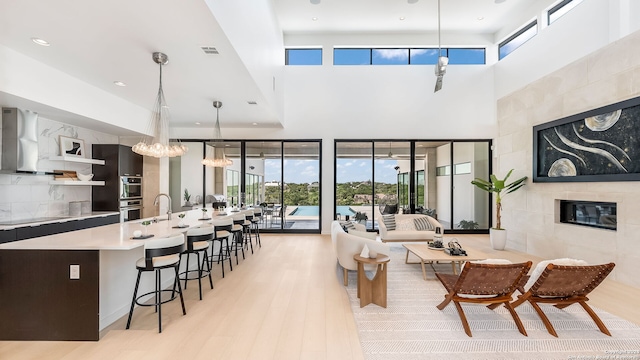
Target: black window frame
x=533, y=23
x=286, y=55
x=445, y=52
x=555, y=8
x=338, y=49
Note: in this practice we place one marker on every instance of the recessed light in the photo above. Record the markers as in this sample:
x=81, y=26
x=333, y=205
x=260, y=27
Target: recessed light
x=40, y=41
x=197, y=123
x=119, y=83
x=314, y=18
x=480, y=17
x=255, y=124
x=402, y=18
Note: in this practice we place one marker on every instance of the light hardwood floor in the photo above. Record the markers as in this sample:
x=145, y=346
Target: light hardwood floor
x=286, y=301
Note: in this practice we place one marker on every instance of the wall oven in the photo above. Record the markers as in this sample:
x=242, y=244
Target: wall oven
x=130, y=187
x=130, y=209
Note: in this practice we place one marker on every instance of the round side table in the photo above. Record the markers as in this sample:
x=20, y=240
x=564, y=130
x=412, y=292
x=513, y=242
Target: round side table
x=374, y=290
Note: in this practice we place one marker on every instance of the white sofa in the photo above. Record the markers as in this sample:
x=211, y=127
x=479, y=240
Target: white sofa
x=346, y=245
x=403, y=230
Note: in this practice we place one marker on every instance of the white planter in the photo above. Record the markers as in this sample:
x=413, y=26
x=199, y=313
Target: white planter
x=498, y=238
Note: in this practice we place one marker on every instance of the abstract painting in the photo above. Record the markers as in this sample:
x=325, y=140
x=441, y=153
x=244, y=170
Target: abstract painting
x=598, y=145
x=71, y=147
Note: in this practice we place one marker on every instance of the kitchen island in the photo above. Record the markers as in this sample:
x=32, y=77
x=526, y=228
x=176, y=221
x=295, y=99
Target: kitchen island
x=71, y=285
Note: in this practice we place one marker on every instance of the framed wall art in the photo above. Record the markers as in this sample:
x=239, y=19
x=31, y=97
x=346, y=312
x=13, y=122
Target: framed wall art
x=598, y=145
x=71, y=147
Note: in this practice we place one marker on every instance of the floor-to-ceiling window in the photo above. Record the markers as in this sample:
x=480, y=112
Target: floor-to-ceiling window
x=412, y=176
x=282, y=177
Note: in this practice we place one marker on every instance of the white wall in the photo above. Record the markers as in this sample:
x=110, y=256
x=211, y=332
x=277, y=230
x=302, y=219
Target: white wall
x=588, y=27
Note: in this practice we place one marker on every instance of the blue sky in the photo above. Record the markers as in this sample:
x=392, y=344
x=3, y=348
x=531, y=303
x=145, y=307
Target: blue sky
x=307, y=171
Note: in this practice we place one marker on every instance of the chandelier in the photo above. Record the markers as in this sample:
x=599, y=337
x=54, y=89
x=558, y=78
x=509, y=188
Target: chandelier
x=158, y=145
x=215, y=157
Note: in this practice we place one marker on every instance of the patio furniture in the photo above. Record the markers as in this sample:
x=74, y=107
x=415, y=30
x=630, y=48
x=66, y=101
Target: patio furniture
x=562, y=286
x=491, y=284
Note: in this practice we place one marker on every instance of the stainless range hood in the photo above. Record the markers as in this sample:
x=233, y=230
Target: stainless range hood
x=20, y=142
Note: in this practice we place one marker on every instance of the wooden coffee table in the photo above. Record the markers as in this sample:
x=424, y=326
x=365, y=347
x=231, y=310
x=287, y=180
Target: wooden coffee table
x=427, y=255
x=374, y=290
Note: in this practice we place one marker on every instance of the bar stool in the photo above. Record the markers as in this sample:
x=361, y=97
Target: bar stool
x=238, y=232
x=162, y=253
x=222, y=228
x=198, y=242
x=247, y=227
x=257, y=219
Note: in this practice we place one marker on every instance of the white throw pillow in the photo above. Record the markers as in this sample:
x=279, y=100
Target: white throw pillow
x=405, y=225
x=535, y=274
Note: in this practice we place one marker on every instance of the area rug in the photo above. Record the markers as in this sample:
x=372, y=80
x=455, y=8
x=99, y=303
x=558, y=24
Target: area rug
x=411, y=327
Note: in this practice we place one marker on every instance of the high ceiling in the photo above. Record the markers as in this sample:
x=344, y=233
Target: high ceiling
x=103, y=42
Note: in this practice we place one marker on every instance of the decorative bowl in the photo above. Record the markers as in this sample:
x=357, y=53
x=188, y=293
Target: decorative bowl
x=83, y=177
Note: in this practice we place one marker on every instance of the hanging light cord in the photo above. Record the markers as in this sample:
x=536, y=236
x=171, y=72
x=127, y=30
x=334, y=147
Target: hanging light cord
x=439, y=48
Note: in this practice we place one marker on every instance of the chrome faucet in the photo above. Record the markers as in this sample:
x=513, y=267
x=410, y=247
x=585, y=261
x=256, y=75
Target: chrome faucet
x=157, y=200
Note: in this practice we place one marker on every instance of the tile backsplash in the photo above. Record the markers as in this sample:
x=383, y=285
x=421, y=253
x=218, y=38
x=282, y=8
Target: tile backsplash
x=32, y=196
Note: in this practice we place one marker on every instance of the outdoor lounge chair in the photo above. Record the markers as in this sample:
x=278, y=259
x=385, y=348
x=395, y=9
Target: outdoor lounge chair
x=491, y=284
x=563, y=286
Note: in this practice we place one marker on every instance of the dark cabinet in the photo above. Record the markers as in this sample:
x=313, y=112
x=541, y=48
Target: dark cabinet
x=29, y=232
x=7, y=236
x=130, y=162
x=119, y=160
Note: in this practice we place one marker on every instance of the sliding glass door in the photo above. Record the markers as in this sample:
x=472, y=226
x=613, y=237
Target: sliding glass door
x=412, y=176
x=282, y=177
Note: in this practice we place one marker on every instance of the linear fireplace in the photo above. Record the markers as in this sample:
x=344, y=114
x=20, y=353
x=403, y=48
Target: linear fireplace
x=589, y=213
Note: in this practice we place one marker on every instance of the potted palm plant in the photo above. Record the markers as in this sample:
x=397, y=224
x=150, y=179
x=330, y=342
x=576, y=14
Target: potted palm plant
x=498, y=235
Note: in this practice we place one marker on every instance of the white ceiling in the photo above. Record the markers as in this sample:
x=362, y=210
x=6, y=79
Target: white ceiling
x=107, y=41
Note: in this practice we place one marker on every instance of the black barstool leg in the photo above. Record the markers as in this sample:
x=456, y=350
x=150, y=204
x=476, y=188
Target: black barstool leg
x=228, y=253
x=236, y=248
x=159, y=298
x=220, y=258
x=199, y=275
x=133, y=301
x=184, y=310
x=239, y=243
x=156, y=295
x=206, y=260
x=186, y=272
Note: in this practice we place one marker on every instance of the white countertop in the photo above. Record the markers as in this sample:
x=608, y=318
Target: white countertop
x=94, y=214
x=108, y=237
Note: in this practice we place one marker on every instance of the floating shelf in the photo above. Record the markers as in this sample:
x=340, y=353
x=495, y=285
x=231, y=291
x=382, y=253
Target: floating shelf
x=77, y=160
x=76, y=182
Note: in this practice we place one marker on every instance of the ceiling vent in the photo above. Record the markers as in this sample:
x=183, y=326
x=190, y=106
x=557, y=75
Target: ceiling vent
x=209, y=50
x=251, y=102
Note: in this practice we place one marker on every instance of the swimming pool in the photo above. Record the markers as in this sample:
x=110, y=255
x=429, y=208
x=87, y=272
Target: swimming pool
x=310, y=210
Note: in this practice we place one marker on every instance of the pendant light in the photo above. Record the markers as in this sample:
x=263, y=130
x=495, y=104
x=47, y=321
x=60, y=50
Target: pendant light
x=158, y=145
x=215, y=157
x=443, y=61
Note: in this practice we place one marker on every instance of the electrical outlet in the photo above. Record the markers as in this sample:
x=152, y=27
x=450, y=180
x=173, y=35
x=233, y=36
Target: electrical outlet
x=74, y=272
